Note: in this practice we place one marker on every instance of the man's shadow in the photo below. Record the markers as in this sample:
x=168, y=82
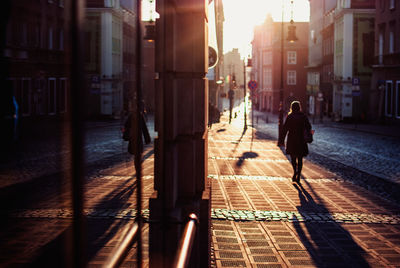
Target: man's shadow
x=328, y=242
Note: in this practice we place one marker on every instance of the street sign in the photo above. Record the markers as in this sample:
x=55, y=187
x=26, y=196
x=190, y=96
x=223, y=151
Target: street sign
x=356, y=81
x=356, y=91
x=252, y=84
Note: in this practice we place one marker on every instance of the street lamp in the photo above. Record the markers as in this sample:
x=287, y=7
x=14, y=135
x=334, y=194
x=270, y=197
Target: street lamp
x=244, y=93
x=291, y=38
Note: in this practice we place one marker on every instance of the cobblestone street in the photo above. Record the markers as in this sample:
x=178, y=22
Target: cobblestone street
x=259, y=218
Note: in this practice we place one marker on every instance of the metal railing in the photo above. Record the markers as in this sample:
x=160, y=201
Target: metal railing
x=120, y=252
x=185, y=245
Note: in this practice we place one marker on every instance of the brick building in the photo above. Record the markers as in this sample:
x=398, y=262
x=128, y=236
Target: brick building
x=385, y=84
x=267, y=64
x=35, y=57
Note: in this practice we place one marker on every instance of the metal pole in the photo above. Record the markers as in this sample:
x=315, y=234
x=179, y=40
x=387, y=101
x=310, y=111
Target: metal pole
x=139, y=146
x=244, y=93
x=182, y=257
x=76, y=111
x=280, y=122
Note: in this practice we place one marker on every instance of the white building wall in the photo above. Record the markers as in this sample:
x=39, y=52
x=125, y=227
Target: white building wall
x=347, y=98
x=106, y=63
x=343, y=66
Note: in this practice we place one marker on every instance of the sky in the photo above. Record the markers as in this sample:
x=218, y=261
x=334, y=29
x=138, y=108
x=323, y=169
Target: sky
x=242, y=15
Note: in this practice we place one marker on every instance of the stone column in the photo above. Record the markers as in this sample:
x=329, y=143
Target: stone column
x=180, y=184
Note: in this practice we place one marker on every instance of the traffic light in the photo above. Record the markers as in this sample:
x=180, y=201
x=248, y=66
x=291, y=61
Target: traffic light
x=233, y=81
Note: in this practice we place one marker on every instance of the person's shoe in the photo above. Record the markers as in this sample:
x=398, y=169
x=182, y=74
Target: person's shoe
x=294, y=178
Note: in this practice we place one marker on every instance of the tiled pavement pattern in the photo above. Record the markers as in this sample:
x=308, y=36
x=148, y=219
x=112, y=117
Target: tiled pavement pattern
x=261, y=219
x=35, y=231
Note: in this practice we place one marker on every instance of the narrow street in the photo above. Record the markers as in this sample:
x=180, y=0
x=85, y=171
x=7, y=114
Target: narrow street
x=259, y=218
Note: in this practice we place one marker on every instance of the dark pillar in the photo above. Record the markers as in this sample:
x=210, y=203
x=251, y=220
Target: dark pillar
x=180, y=184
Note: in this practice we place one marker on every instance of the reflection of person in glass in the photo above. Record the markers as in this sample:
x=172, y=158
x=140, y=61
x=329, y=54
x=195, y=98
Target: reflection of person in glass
x=296, y=147
x=131, y=131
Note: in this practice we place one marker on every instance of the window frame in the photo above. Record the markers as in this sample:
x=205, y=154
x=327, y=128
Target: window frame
x=391, y=42
x=381, y=46
x=290, y=59
x=50, y=42
x=49, y=95
x=397, y=111
x=392, y=4
x=289, y=77
x=25, y=112
x=386, y=99
x=63, y=80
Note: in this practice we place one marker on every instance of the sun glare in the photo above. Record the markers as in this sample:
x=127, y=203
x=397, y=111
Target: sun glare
x=242, y=15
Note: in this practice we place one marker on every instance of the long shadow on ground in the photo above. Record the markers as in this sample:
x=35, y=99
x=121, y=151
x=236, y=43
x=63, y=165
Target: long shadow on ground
x=329, y=244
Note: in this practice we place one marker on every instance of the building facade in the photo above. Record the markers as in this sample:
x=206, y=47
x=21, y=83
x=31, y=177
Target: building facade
x=328, y=44
x=215, y=91
x=267, y=60
x=385, y=83
x=234, y=77
x=354, y=40
x=314, y=68
x=103, y=38
x=36, y=58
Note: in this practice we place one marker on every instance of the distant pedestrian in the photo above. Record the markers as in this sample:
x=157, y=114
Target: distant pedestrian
x=295, y=125
x=130, y=131
x=213, y=114
x=231, y=96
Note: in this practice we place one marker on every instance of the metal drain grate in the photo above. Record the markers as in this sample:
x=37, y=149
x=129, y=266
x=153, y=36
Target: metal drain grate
x=295, y=254
x=261, y=251
x=257, y=243
x=251, y=231
x=285, y=239
x=281, y=233
x=226, y=240
x=222, y=227
x=229, y=246
x=272, y=265
x=248, y=225
x=301, y=262
x=265, y=258
x=233, y=264
x=224, y=233
x=231, y=255
x=254, y=236
x=395, y=260
x=290, y=246
x=386, y=251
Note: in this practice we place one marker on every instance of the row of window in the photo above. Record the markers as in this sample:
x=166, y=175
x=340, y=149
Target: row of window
x=291, y=78
x=390, y=47
x=60, y=2
x=392, y=4
x=40, y=96
x=291, y=57
x=24, y=34
x=392, y=98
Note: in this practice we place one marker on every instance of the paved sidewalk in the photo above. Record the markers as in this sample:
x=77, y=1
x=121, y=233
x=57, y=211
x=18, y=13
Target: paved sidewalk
x=261, y=219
